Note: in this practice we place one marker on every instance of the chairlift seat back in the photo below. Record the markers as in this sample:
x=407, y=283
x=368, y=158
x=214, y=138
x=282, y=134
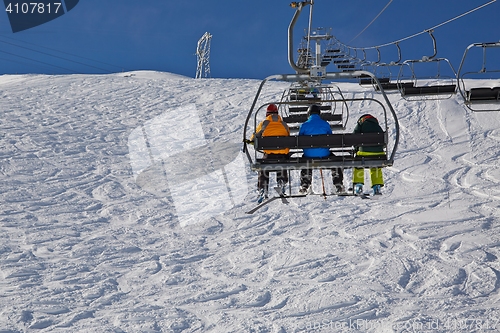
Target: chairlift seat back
x=483, y=94
x=428, y=90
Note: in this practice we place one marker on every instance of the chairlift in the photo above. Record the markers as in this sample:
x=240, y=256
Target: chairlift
x=364, y=64
x=352, y=64
x=296, y=100
x=332, y=53
x=480, y=89
x=342, y=144
x=373, y=65
x=384, y=73
x=437, y=87
x=308, y=87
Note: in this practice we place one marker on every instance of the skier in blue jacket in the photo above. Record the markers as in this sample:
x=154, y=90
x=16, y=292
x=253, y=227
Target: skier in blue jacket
x=317, y=126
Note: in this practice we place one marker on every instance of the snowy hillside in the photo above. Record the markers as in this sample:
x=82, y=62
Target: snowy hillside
x=109, y=221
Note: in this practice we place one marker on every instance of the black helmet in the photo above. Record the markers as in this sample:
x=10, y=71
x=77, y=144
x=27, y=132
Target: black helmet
x=313, y=109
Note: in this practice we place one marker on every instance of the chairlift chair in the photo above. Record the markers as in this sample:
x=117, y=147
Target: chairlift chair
x=411, y=87
x=445, y=87
x=383, y=71
x=477, y=95
x=386, y=77
x=342, y=144
x=296, y=100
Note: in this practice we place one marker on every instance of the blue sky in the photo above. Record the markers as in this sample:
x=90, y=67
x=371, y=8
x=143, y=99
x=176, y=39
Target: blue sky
x=249, y=38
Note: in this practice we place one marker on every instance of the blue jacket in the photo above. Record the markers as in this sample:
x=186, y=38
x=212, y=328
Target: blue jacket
x=315, y=126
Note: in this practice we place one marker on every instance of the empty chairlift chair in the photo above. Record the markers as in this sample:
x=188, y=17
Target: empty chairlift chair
x=441, y=85
x=480, y=85
x=297, y=99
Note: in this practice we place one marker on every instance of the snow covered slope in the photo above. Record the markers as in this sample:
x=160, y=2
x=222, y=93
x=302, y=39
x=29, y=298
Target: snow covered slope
x=91, y=240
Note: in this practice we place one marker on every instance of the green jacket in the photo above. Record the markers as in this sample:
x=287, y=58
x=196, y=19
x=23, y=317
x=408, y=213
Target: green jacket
x=368, y=124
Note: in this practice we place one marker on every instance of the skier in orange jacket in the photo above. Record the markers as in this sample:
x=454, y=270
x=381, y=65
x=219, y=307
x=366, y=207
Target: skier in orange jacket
x=273, y=125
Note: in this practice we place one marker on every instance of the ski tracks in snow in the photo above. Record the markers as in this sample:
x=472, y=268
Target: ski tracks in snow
x=85, y=248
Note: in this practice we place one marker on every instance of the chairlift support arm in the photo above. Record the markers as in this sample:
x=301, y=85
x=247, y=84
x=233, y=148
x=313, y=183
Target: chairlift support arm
x=399, y=54
x=434, y=45
x=378, y=56
x=299, y=6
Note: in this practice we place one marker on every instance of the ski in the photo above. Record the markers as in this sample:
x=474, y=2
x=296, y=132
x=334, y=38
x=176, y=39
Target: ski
x=365, y=195
x=375, y=196
x=263, y=203
x=324, y=195
x=282, y=197
x=348, y=194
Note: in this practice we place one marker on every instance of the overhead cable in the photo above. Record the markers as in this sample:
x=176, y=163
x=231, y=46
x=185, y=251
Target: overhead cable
x=51, y=55
x=422, y=32
x=41, y=62
x=376, y=17
x=61, y=52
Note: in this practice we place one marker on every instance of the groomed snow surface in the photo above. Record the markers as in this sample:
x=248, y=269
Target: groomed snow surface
x=123, y=201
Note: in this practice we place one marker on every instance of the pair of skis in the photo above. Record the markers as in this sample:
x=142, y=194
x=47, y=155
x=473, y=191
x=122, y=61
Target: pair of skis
x=346, y=194
x=361, y=195
x=284, y=197
x=281, y=196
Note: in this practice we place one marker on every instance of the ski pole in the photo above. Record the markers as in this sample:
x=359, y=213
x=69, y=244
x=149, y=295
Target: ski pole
x=322, y=183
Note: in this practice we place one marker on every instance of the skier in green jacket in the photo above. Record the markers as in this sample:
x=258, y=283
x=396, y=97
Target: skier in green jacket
x=368, y=124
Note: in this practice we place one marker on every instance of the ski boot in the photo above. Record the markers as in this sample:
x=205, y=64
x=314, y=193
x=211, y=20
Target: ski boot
x=358, y=189
x=262, y=195
x=282, y=187
x=376, y=190
x=339, y=188
x=304, y=189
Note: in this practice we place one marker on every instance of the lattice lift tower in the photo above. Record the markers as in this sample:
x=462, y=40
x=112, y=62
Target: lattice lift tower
x=203, y=54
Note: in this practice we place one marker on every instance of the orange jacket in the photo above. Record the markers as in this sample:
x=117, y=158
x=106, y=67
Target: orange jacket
x=273, y=125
